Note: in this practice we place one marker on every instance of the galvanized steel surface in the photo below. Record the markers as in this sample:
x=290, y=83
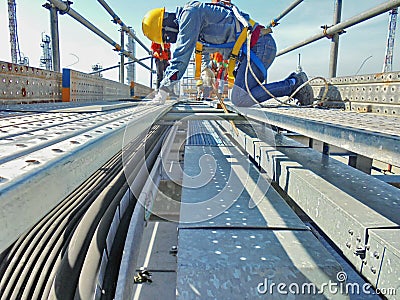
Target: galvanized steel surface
x=42, y=172
x=236, y=195
x=23, y=84
x=373, y=136
x=377, y=93
x=237, y=236
x=348, y=205
x=236, y=264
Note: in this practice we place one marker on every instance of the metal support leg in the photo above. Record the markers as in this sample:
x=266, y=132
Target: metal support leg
x=122, y=65
x=325, y=149
x=361, y=163
x=335, y=40
x=310, y=143
x=55, y=45
x=364, y=164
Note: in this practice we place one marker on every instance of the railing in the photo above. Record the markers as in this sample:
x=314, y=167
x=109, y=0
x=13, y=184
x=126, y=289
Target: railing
x=64, y=7
x=22, y=85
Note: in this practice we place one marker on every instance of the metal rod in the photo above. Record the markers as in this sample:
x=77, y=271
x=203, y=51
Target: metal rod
x=65, y=8
x=55, y=44
x=122, y=64
x=335, y=40
x=117, y=20
x=275, y=21
x=117, y=66
x=380, y=9
x=151, y=73
x=171, y=116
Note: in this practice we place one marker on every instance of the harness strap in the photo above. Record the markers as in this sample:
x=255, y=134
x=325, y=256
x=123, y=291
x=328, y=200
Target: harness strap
x=198, y=57
x=234, y=55
x=256, y=60
x=236, y=47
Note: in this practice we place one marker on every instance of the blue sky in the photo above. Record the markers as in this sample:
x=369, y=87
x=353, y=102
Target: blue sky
x=360, y=41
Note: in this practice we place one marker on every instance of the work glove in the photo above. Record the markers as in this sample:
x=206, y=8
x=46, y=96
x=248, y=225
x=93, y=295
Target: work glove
x=160, y=97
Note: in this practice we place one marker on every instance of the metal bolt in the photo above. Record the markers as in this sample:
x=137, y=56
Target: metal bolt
x=348, y=245
x=376, y=254
x=351, y=232
x=373, y=270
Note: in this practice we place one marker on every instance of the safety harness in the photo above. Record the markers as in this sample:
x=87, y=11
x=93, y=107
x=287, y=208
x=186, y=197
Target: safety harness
x=236, y=46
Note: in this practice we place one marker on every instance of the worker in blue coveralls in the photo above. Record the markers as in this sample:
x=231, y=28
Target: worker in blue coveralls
x=217, y=27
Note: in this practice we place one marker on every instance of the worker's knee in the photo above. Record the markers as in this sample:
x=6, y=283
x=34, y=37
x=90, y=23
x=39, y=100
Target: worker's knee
x=240, y=98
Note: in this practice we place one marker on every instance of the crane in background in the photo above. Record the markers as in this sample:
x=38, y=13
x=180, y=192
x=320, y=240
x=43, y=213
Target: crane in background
x=16, y=56
x=387, y=66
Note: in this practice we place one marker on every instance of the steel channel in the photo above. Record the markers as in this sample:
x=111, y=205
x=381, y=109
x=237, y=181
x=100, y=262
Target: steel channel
x=41, y=142
x=36, y=118
x=29, y=244
x=321, y=185
x=379, y=146
x=108, y=145
x=125, y=286
x=63, y=218
x=20, y=281
x=67, y=133
x=60, y=212
x=201, y=116
x=88, y=277
x=56, y=264
x=56, y=270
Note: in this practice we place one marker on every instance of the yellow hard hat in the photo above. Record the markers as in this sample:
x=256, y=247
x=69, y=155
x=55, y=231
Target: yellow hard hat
x=199, y=82
x=152, y=25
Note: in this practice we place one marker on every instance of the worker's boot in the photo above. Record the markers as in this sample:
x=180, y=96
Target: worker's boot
x=305, y=95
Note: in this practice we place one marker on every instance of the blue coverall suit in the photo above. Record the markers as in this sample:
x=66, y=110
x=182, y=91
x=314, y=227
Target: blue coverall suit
x=216, y=24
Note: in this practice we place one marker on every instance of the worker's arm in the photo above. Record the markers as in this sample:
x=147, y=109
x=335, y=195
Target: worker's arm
x=189, y=28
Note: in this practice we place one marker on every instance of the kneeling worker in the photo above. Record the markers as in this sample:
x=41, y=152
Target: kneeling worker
x=216, y=26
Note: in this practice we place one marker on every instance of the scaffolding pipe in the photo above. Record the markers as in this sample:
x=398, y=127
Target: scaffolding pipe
x=117, y=66
x=335, y=40
x=122, y=63
x=275, y=21
x=380, y=9
x=55, y=39
x=151, y=73
x=125, y=28
x=65, y=8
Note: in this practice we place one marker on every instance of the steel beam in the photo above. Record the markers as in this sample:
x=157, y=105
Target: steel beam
x=373, y=137
x=382, y=264
x=201, y=116
x=346, y=204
